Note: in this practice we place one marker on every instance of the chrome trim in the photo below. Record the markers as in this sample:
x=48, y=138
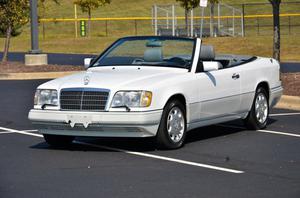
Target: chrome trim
x=85, y=89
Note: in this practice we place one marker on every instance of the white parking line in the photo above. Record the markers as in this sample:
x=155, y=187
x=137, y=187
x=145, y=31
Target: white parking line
x=284, y=114
x=31, y=130
x=262, y=131
x=21, y=132
x=6, y=132
x=164, y=158
x=279, y=133
x=139, y=154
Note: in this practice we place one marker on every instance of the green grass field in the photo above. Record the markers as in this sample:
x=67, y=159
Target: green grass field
x=59, y=37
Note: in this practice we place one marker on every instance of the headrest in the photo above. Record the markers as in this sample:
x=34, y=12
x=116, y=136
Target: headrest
x=153, y=55
x=153, y=44
x=207, y=53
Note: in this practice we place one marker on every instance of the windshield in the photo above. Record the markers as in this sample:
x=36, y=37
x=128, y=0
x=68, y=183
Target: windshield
x=149, y=51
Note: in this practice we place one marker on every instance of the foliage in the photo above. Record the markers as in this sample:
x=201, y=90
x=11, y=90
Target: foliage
x=14, y=13
x=88, y=5
x=188, y=4
x=16, y=31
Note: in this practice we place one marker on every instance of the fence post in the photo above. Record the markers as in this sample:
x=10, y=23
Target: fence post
x=155, y=20
x=289, y=25
x=202, y=21
x=106, y=28
x=192, y=22
x=243, y=20
x=233, y=22
x=135, y=26
x=44, y=33
x=219, y=20
x=75, y=21
x=257, y=21
x=173, y=20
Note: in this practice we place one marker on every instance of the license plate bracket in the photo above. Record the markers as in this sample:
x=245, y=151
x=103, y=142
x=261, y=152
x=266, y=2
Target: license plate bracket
x=85, y=120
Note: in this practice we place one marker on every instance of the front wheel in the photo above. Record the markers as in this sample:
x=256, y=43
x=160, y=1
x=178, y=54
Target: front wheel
x=58, y=140
x=172, y=129
x=259, y=113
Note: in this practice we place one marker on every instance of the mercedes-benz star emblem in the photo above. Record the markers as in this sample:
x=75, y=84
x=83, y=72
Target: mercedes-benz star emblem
x=86, y=80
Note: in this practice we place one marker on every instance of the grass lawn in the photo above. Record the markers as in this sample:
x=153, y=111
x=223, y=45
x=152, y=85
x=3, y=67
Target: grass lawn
x=59, y=37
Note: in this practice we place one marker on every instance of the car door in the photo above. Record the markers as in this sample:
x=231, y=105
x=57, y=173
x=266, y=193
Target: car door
x=219, y=93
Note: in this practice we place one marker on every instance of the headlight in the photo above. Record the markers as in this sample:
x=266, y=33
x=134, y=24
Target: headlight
x=132, y=99
x=46, y=97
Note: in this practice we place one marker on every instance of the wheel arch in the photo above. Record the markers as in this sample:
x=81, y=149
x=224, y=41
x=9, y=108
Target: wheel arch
x=182, y=99
x=265, y=85
x=179, y=97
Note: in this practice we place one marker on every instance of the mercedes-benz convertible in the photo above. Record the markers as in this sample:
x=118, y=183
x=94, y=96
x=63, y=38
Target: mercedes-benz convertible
x=158, y=87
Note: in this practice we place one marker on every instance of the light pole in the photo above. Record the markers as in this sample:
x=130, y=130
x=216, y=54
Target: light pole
x=35, y=56
x=34, y=28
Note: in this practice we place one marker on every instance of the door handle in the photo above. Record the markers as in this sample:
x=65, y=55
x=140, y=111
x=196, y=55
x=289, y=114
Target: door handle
x=235, y=76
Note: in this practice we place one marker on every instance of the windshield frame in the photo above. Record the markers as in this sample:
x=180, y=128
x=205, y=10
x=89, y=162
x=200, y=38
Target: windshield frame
x=130, y=38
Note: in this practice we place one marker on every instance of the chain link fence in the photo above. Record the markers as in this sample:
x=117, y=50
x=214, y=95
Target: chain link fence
x=257, y=20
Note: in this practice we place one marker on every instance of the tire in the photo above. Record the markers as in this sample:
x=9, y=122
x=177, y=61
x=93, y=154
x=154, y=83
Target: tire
x=58, y=140
x=173, y=121
x=259, y=114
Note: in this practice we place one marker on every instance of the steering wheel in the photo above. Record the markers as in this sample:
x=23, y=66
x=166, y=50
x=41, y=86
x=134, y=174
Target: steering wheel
x=137, y=61
x=179, y=61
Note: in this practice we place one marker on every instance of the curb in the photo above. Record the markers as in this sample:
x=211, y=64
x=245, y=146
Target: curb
x=289, y=102
x=34, y=76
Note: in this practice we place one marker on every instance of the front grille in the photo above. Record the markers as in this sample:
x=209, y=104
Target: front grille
x=86, y=99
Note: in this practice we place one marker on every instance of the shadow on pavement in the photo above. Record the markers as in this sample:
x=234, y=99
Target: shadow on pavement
x=148, y=144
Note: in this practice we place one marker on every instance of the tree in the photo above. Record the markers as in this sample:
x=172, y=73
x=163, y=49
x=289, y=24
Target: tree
x=188, y=5
x=276, y=28
x=212, y=16
x=13, y=14
x=88, y=5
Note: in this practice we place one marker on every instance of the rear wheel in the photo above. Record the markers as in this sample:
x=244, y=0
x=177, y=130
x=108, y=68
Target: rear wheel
x=259, y=113
x=58, y=140
x=172, y=129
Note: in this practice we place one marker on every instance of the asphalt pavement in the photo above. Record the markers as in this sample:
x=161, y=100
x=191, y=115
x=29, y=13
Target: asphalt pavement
x=77, y=59
x=217, y=161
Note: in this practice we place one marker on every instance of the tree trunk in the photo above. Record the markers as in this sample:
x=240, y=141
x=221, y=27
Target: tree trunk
x=89, y=22
x=186, y=13
x=7, y=43
x=212, y=23
x=276, y=37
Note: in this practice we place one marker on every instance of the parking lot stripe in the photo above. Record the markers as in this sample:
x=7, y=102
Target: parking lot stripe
x=284, y=114
x=163, y=158
x=21, y=132
x=279, y=133
x=31, y=130
x=138, y=153
x=6, y=132
x=262, y=131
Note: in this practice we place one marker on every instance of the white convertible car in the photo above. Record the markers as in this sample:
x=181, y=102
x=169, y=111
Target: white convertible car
x=156, y=86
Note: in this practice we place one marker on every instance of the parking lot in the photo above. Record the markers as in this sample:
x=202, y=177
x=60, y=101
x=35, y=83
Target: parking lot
x=223, y=160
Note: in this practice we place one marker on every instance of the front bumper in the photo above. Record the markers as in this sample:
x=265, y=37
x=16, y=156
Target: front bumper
x=96, y=124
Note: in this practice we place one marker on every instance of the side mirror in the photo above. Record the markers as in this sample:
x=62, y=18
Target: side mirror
x=211, y=66
x=87, y=62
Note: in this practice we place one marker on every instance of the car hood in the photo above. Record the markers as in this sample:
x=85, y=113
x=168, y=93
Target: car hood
x=118, y=77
